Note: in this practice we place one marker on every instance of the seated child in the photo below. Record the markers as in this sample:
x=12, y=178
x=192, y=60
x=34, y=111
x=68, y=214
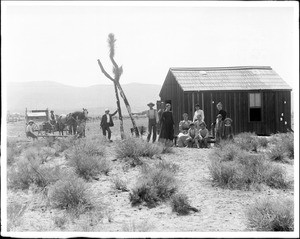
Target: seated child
x=192, y=136
x=219, y=128
x=203, y=135
x=228, y=134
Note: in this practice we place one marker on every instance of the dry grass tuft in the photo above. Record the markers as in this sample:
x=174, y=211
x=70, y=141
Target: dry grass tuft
x=271, y=214
x=155, y=184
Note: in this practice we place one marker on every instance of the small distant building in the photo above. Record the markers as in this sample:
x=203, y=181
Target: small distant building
x=256, y=98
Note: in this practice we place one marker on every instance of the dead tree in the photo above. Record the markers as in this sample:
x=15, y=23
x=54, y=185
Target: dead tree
x=116, y=80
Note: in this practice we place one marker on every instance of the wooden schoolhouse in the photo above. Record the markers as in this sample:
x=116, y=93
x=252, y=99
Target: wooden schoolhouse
x=256, y=98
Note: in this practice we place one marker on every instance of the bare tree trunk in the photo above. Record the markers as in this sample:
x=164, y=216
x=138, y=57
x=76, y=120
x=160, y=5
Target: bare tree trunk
x=128, y=108
x=118, y=72
x=120, y=113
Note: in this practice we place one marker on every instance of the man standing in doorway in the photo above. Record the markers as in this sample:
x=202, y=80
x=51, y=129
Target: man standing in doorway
x=107, y=122
x=152, y=121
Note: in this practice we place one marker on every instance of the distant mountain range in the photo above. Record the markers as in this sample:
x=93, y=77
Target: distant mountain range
x=64, y=99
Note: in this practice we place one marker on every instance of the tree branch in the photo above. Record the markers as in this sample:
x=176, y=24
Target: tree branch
x=104, y=71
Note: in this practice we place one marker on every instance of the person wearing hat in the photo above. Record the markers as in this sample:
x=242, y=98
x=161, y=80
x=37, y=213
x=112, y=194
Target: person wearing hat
x=152, y=121
x=203, y=135
x=193, y=135
x=198, y=112
x=29, y=130
x=106, y=122
x=228, y=132
x=52, y=118
x=219, y=128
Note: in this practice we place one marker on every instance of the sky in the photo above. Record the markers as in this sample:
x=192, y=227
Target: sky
x=54, y=41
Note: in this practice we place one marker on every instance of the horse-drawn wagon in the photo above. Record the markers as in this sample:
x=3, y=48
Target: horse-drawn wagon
x=42, y=122
x=45, y=126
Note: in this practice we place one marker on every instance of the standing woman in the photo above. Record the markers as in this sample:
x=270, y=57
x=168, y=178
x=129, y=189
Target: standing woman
x=167, y=125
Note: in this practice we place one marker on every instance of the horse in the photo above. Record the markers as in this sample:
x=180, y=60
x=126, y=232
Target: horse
x=62, y=123
x=74, y=118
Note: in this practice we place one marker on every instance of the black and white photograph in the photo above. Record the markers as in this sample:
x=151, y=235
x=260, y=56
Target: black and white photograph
x=150, y=119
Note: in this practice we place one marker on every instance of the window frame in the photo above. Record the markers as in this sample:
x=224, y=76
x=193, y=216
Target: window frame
x=255, y=107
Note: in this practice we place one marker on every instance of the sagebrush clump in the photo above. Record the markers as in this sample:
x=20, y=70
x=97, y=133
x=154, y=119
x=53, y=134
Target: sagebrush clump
x=155, y=184
x=271, y=214
x=71, y=193
x=247, y=141
x=132, y=147
x=181, y=205
x=14, y=150
x=87, y=158
x=240, y=169
x=29, y=171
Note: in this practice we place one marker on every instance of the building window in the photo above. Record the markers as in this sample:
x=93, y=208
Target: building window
x=255, y=106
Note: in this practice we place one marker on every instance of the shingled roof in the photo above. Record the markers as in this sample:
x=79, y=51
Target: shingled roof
x=229, y=78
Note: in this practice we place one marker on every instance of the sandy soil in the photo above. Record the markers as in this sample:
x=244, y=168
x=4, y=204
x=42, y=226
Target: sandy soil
x=220, y=209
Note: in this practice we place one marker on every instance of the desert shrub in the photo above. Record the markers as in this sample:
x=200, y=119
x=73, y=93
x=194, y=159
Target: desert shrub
x=87, y=158
x=168, y=166
x=227, y=151
x=120, y=184
x=136, y=147
x=89, y=147
x=127, y=148
x=247, y=141
x=14, y=150
x=222, y=172
x=28, y=171
x=71, y=193
x=278, y=154
x=154, y=185
x=20, y=176
x=271, y=214
x=15, y=211
x=246, y=170
x=62, y=144
x=287, y=142
x=133, y=161
x=275, y=177
x=263, y=142
x=181, y=205
x=87, y=166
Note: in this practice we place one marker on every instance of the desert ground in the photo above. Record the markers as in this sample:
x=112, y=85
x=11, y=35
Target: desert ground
x=221, y=209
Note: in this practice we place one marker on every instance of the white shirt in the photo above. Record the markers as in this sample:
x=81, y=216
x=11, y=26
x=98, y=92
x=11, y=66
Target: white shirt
x=199, y=112
x=29, y=128
x=107, y=118
x=152, y=114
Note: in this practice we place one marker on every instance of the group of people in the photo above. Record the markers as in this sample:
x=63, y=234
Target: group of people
x=195, y=132
x=191, y=132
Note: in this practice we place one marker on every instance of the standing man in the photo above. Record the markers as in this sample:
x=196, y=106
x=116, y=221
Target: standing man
x=198, y=112
x=152, y=121
x=29, y=130
x=107, y=122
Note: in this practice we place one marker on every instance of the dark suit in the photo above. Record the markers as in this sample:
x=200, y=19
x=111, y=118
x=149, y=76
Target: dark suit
x=105, y=125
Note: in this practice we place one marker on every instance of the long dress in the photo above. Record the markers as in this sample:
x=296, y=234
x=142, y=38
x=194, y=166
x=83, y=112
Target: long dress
x=167, y=126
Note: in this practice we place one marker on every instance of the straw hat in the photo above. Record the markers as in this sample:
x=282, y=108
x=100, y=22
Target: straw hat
x=30, y=121
x=219, y=116
x=106, y=110
x=150, y=104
